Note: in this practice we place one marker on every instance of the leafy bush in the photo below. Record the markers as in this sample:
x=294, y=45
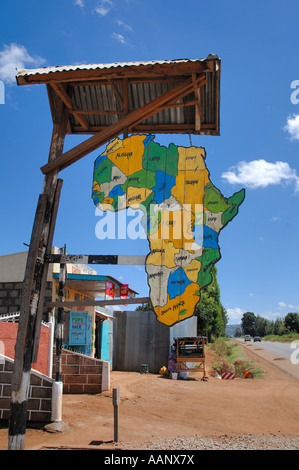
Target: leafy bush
x=231, y=359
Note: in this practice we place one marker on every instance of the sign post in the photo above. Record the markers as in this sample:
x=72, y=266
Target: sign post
x=115, y=398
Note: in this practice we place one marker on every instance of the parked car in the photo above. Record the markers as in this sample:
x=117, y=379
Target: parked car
x=256, y=338
x=247, y=338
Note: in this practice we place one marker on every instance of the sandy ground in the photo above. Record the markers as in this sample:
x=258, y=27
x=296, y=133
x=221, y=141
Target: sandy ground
x=154, y=408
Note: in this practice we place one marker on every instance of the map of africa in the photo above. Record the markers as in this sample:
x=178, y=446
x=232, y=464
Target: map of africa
x=183, y=215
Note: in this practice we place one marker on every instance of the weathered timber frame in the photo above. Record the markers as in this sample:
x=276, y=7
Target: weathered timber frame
x=105, y=100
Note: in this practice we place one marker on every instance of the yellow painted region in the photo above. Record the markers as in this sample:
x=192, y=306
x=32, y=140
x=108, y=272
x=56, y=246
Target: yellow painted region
x=113, y=146
x=189, y=186
x=180, y=307
x=162, y=253
x=136, y=196
x=175, y=227
x=128, y=158
x=96, y=186
x=191, y=158
x=106, y=205
x=192, y=270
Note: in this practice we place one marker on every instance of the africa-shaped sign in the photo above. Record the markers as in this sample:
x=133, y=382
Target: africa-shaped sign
x=183, y=215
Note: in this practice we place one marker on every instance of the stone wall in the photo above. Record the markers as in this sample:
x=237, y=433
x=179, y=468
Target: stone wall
x=40, y=393
x=83, y=374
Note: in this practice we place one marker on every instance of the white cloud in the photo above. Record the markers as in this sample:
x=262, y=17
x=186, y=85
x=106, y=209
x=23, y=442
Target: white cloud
x=103, y=7
x=292, y=126
x=260, y=174
x=80, y=3
x=119, y=37
x=235, y=314
x=124, y=25
x=282, y=304
x=16, y=56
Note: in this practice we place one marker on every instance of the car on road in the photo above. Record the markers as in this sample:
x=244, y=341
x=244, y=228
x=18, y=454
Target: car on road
x=256, y=338
x=247, y=338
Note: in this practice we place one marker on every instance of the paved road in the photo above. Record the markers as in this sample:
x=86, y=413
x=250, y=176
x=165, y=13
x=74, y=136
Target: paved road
x=280, y=349
x=283, y=355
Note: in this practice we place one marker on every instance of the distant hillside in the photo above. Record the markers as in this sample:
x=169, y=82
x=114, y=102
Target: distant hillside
x=230, y=329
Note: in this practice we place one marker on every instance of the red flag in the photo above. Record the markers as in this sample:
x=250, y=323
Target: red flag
x=124, y=290
x=109, y=290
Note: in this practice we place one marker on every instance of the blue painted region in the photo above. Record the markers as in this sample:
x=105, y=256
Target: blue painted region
x=116, y=191
x=210, y=238
x=198, y=234
x=177, y=283
x=99, y=160
x=148, y=140
x=104, y=348
x=96, y=200
x=164, y=184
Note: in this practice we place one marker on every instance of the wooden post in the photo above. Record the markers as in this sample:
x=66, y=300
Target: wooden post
x=32, y=292
x=115, y=398
x=60, y=320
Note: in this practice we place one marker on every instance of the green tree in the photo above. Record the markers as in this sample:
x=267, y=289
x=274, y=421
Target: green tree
x=291, y=321
x=238, y=332
x=248, y=323
x=261, y=326
x=279, y=327
x=145, y=307
x=210, y=313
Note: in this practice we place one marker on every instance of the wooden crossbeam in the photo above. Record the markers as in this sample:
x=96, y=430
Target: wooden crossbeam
x=96, y=259
x=136, y=116
x=97, y=303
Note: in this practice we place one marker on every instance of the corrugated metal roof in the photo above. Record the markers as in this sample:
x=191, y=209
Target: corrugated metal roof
x=66, y=68
x=96, y=97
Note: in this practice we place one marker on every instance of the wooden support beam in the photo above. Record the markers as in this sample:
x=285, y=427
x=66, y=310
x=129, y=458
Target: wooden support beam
x=97, y=303
x=44, y=276
x=198, y=110
x=60, y=320
x=32, y=291
x=67, y=100
x=115, y=129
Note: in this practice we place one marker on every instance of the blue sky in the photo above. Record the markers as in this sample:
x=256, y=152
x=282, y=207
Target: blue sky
x=258, y=148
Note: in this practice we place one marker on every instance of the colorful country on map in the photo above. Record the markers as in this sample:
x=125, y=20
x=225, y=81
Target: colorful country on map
x=183, y=215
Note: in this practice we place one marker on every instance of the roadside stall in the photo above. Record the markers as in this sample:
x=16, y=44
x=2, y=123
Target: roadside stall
x=190, y=354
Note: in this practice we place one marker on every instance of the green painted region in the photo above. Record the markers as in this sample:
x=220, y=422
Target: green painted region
x=140, y=179
x=207, y=259
x=102, y=174
x=99, y=197
x=156, y=157
x=234, y=202
x=214, y=200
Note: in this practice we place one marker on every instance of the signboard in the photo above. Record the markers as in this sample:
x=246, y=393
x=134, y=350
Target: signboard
x=183, y=214
x=79, y=329
x=109, y=290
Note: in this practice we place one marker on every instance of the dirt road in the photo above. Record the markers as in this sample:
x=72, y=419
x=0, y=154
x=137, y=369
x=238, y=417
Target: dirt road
x=154, y=409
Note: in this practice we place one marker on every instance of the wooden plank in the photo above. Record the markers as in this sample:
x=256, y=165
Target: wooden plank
x=97, y=303
x=97, y=259
x=115, y=129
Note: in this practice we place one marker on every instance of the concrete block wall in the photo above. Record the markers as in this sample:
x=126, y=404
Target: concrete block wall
x=11, y=295
x=83, y=374
x=40, y=393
